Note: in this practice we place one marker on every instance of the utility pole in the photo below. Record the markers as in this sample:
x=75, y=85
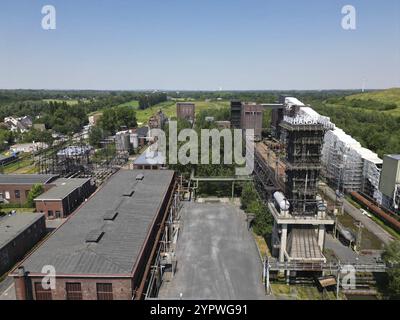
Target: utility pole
x=359, y=235
x=338, y=280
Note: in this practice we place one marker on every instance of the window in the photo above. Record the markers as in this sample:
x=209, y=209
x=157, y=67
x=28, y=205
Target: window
x=7, y=195
x=104, y=291
x=50, y=213
x=17, y=194
x=41, y=293
x=74, y=291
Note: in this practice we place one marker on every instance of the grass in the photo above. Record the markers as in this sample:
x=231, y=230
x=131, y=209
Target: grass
x=134, y=104
x=384, y=96
x=169, y=108
x=369, y=240
x=301, y=292
x=23, y=166
x=391, y=231
x=19, y=210
x=262, y=246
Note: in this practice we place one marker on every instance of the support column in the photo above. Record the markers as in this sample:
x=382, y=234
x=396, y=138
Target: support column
x=283, y=243
x=321, y=237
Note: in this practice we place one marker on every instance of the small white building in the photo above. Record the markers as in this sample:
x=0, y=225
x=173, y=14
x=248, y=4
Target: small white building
x=28, y=147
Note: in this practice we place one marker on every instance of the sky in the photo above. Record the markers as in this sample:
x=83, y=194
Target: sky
x=199, y=45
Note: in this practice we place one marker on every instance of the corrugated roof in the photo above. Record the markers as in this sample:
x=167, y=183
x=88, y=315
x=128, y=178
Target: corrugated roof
x=117, y=250
x=303, y=245
x=26, y=178
x=12, y=225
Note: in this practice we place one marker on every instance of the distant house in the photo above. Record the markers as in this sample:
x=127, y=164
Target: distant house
x=28, y=147
x=21, y=124
x=94, y=119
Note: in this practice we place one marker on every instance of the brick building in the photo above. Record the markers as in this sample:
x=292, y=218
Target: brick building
x=106, y=249
x=186, y=111
x=18, y=234
x=64, y=197
x=252, y=118
x=14, y=188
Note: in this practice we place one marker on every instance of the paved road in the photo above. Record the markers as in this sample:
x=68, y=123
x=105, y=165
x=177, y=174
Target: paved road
x=217, y=256
x=373, y=227
x=7, y=291
x=347, y=255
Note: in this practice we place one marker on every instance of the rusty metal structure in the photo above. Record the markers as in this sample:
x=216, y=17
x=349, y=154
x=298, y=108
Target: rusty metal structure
x=287, y=166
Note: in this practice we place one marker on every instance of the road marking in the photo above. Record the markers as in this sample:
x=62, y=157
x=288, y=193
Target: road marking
x=5, y=292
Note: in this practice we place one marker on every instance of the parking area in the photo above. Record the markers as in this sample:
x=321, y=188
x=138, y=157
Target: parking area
x=217, y=256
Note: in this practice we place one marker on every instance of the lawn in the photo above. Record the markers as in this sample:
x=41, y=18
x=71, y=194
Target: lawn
x=23, y=166
x=169, y=108
x=384, y=96
x=134, y=104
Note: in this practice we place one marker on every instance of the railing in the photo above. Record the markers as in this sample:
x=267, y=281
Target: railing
x=297, y=266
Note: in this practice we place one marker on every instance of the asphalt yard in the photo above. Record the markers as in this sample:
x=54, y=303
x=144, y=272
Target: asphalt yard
x=217, y=256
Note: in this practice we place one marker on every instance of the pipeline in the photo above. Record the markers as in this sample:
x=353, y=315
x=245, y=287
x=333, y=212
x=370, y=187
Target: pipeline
x=387, y=218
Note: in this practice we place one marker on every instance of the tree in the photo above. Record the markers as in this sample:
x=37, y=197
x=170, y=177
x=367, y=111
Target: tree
x=36, y=191
x=391, y=256
x=95, y=136
x=248, y=195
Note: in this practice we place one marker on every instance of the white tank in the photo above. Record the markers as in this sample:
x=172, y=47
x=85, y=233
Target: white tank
x=282, y=201
x=134, y=139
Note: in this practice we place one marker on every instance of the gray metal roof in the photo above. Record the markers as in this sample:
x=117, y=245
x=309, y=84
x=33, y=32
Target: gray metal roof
x=394, y=156
x=150, y=158
x=62, y=189
x=12, y=225
x=26, y=178
x=68, y=249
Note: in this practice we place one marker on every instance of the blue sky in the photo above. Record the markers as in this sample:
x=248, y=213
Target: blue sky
x=199, y=44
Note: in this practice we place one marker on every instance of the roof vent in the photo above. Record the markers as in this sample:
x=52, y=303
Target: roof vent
x=110, y=215
x=129, y=193
x=94, y=236
x=140, y=176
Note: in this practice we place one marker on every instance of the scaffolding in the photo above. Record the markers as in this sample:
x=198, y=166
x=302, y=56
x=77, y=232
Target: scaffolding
x=350, y=167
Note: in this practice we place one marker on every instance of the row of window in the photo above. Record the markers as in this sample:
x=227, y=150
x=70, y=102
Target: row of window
x=74, y=291
x=50, y=213
x=17, y=194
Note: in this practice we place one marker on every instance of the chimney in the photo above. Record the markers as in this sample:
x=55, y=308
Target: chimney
x=20, y=284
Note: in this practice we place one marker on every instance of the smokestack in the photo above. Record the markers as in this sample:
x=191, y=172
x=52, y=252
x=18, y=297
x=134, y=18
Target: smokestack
x=20, y=284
